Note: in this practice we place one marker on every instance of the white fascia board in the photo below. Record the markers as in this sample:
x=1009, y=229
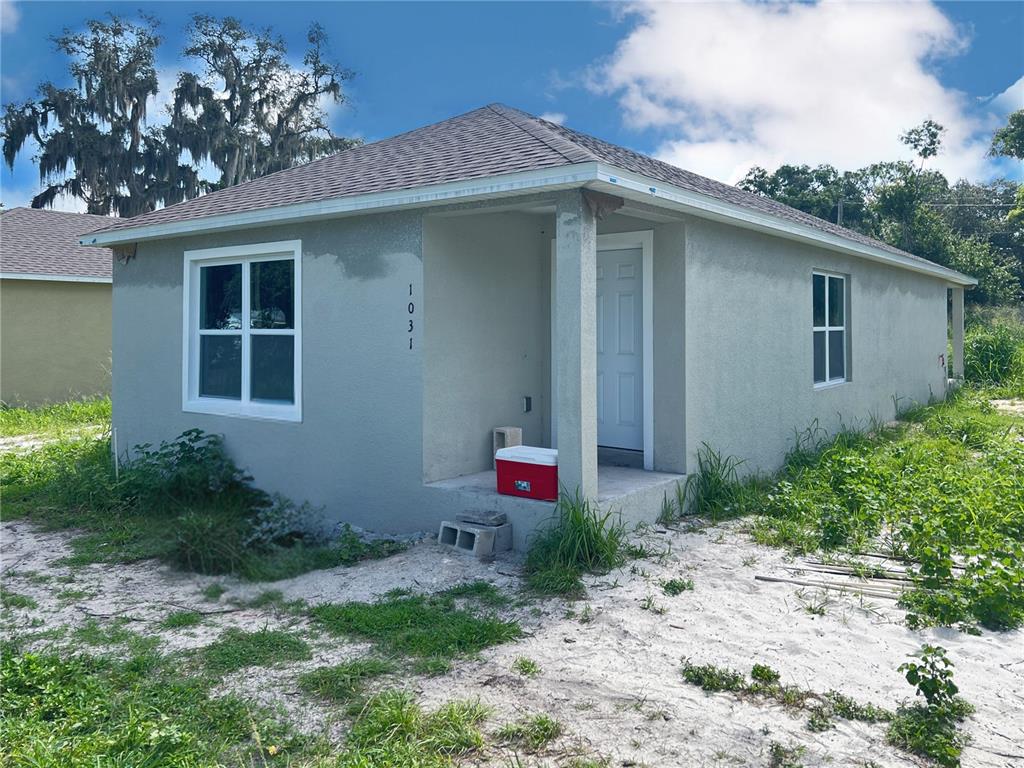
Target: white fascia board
x=435, y=194
x=54, y=278
x=605, y=176
x=655, y=192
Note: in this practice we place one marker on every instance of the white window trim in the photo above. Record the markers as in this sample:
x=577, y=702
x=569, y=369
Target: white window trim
x=831, y=382
x=191, y=402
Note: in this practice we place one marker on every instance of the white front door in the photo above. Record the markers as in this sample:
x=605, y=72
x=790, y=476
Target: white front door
x=620, y=349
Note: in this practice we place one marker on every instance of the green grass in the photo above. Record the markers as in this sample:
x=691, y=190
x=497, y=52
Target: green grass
x=236, y=649
x=184, y=503
x=393, y=730
x=344, y=682
x=10, y=599
x=580, y=539
x=526, y=667
x=940, y=489
x=181, y=620
x=421, y=626
x=51, y=419
x=674, y=587
x=531, y=733
x=83, y=712
x=213, y=592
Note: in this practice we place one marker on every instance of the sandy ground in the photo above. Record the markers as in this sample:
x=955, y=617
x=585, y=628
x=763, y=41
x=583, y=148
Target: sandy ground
x=610, y=667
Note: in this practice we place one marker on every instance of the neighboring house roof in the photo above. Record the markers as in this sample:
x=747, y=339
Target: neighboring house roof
x=40, y=244
x=493, y=141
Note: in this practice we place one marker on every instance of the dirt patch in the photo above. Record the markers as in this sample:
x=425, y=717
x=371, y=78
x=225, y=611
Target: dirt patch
x=610, y=665
x=1013, y=406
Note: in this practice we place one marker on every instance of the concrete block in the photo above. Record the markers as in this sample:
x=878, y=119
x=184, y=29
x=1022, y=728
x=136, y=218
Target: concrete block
x=483, y=541
x=505, y=437
x=482, y=518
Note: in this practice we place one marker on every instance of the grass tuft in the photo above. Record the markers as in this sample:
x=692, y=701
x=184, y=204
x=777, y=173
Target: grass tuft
x=236, y=649
x=54, y=419
x=581, y=539
x=422, y=626
x=531, y=733
x=344, y=682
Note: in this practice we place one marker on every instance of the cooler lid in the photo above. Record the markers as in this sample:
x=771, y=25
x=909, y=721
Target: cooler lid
x=528, y=454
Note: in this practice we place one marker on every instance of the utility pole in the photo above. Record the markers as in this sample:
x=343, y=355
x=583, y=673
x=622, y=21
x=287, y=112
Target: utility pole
x=839, y=213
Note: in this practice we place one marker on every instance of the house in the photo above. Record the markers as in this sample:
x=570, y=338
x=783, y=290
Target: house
x=54, y=308
x=356, y=327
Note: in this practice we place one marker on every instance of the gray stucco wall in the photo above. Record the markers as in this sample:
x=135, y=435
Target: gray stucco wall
x=487, y=340
x=732, y=339
x=357, y=449
x=749, y=346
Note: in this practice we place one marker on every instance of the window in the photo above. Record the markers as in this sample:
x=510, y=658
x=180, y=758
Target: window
x=243, y=331
x=829, y=333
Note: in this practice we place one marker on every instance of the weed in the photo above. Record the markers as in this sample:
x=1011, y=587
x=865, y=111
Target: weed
x=13, y=600
x=273, y=599
x=84, y=711
x=765, y=675
x=931, y=730
x=581, y=539
x=418, y=625
x=531, y=733
x=715, y=490
x=674, y=587
x=181, y=620
x=344, y=682
x=236, y=649
x=713, y=679
x=526, y=667
x=92, y=632
x=392, y=730
x=184, y=502
x=648, y=604
x=781, y=756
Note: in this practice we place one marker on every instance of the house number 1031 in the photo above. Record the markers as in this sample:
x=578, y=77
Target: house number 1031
x=412, y=311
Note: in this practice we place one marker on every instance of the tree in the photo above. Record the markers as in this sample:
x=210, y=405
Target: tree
x=1008, y=141
x=817, y=191
x=92, y=138
x=249, y=112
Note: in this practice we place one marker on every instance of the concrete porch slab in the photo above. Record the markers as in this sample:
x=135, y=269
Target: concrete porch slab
x=635, y=495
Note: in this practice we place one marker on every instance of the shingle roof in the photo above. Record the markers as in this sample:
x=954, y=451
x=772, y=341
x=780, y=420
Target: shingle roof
x=36, y=241
x=489, y=141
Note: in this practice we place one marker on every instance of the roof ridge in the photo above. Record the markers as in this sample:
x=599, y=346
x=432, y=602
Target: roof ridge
x=535, y=127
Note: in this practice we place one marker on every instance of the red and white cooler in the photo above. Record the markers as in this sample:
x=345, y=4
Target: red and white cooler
x=527, y=471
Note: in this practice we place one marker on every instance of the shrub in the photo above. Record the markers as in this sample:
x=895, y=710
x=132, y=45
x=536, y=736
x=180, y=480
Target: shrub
x=580, y=539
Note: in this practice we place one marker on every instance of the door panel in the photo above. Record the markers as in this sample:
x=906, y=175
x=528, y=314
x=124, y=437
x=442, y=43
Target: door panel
x=620, y=349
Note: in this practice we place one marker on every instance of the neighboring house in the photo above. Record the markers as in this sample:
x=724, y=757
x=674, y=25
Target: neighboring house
x=357, y=326
x=54, y=308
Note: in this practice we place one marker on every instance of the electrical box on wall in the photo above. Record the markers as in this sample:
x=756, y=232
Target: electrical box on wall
x=527, y=404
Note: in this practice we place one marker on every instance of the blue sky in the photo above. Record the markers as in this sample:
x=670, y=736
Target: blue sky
x=712, y=86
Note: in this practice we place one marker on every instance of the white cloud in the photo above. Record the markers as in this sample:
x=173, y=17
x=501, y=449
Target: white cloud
x=1011, y=99
x=10, y=17
x=21, y=197
x=558, y=118
x=731, y=85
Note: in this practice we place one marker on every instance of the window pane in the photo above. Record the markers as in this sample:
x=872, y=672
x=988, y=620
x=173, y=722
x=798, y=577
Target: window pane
x=836, y=300
x=819, y=299
x=220, y=292
x=273, y=368
x=220, y=366
x=272, y=285
x=836, y=354
x=819, y=356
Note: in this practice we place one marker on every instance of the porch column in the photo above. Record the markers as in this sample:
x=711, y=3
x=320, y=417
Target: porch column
x=957, y=321
x=575, y=318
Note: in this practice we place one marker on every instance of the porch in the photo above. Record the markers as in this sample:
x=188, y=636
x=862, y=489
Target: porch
x=543, y=313
x=634, y=494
